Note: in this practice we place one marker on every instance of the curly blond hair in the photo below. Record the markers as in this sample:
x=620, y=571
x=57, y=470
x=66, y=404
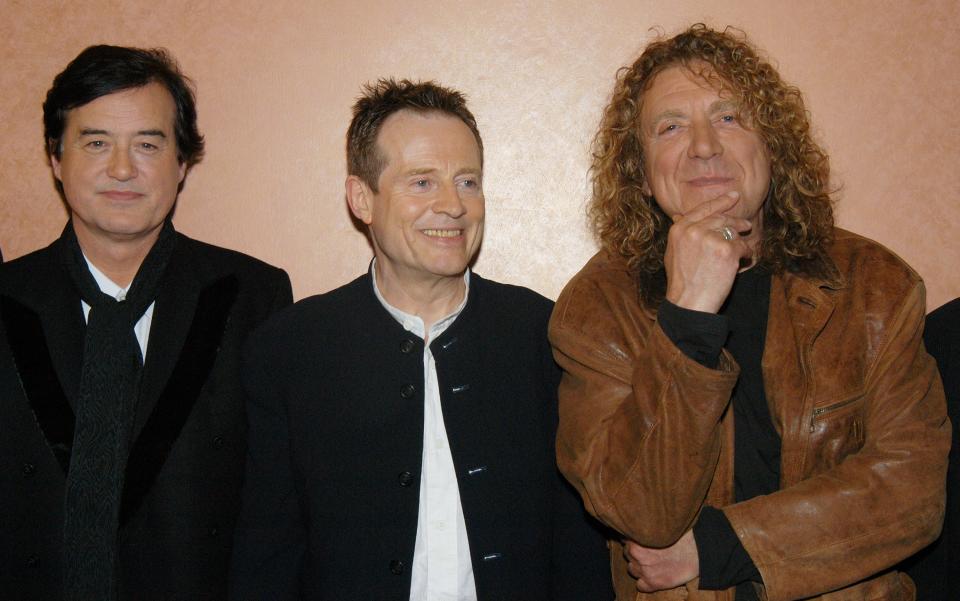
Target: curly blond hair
x=798, y=212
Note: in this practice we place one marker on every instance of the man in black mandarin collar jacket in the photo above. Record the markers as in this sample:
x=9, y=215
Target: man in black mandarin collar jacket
x=341, y=386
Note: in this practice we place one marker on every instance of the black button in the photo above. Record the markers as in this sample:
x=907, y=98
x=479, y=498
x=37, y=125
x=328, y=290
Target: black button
x=396, y=566
x=406, y=346
x=407, y=390
x=218, y=442
x=213, y=531
x=33, y=561
x=405, y=478
x=29, y=469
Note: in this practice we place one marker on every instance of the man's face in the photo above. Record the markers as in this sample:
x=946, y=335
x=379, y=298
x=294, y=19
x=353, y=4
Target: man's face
x=119, y=166
x=426, y=221
x=697, y=148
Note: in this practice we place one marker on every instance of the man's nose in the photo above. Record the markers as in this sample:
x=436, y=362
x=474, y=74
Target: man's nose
x=449, y=202
x=704, y=143
x=121, y=166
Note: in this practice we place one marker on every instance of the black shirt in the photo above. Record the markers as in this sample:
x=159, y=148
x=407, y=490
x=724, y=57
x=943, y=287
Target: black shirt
x=740, y=326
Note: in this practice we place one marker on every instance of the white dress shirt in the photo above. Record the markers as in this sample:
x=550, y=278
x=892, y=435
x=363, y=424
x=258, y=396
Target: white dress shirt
x=107, y=286
x=442, y=570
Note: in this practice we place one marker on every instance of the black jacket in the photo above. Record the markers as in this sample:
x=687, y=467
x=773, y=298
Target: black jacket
x=185, y=469
x=934, y=569
x=336, y=409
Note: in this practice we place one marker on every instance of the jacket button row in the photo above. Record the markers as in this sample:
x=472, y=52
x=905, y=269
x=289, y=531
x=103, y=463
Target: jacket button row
x=406, y=346
x=407, y=390
x=405, y=478
x=29, y=469
x=396, y=566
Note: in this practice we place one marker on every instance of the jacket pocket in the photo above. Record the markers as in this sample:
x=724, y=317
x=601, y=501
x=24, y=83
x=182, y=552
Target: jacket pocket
x=836, y=431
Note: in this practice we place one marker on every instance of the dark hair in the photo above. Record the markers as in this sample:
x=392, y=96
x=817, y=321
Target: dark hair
x=385, y=98
x=797, y=214
x=102, y=70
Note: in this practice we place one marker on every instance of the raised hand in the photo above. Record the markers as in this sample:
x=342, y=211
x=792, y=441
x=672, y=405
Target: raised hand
x=705, y=249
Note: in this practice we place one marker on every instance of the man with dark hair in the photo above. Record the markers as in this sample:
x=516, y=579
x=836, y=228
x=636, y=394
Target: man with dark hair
x=402, y=426
x=123, y=420
x=746, y=396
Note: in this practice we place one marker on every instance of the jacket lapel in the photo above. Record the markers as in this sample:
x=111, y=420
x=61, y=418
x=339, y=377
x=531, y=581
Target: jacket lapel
x=189, y=323
x=799, y=310
x=173, y=315
x=46, y=336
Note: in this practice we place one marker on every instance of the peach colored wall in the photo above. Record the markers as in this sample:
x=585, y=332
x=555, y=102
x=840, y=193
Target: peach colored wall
x=276, y=80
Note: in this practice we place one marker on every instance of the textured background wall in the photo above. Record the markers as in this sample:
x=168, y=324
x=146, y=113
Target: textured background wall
x=275, y=85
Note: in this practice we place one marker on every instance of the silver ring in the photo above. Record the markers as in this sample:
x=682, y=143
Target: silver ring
x=728, y=233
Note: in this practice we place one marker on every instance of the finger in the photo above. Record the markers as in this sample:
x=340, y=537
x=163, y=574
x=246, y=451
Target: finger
x=638, y=554
x=714, y=206
x=646, y=587
x=717, y=222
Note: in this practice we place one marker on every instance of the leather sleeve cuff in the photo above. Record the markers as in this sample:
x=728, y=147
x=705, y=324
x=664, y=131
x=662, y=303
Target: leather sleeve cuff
x=723, y=560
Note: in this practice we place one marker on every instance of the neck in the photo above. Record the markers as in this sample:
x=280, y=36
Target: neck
x=753, y=240
x=118, y=260
x=430, y=299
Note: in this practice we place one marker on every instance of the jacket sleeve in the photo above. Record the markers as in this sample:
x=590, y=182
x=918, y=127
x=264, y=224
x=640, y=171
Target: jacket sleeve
x=639, y=433
x=580, y=563
x=270, y=538
x=879, y=503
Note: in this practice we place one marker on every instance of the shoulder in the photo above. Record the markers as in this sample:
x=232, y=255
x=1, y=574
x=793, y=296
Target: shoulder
x=868, y=266
x=31, y=273
x=941, y=333
x=507, y=300
x=602, y=292
x=223, y=260
x=259, y=285
x=873, y=286
x=946, y=317
x=321, y=314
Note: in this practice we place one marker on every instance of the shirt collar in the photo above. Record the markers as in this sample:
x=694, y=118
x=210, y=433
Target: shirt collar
x=413, y=323
x=107, y=286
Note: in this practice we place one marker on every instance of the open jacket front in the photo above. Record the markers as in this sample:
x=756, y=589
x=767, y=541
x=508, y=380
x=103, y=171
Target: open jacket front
x=646, y=434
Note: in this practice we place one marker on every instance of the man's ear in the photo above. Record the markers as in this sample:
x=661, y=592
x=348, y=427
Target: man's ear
x=52, y=151
x=55, y=163
x=359, y=198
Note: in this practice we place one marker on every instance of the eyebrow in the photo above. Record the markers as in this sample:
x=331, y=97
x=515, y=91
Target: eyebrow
x=420, y=171
x=428, y=170
x=89, y=131
x=723, y=104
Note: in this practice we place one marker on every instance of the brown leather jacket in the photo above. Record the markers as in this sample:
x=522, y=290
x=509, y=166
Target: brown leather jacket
x=646, y=434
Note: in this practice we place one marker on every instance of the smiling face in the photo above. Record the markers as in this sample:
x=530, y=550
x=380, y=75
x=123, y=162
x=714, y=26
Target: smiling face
x=696, y=147
x=119, y=167
x=426, y=221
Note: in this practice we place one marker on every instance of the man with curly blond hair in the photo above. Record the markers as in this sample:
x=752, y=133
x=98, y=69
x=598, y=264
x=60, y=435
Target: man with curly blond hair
x=746, y=397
